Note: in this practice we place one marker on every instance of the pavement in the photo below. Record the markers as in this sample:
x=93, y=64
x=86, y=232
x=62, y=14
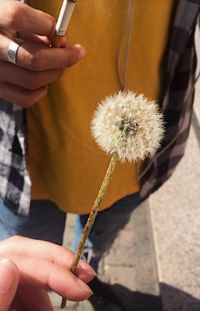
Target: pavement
x=154, y=263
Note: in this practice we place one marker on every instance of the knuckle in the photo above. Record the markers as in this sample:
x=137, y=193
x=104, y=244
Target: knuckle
x=14, y=239
x=15, y=15
x=30, y=58
x=35, y=61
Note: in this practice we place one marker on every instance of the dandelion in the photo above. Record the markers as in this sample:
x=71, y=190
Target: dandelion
x=128, y=127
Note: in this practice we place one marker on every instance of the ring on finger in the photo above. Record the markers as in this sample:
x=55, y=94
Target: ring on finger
x=12, y=52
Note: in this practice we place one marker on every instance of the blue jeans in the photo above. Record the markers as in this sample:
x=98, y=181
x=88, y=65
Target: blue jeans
x=47, y=222
x=44, y=222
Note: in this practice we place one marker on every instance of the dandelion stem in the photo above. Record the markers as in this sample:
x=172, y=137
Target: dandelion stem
x=92, y=216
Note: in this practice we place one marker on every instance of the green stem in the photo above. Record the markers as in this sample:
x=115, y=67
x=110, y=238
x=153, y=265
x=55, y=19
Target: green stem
x=92, y=216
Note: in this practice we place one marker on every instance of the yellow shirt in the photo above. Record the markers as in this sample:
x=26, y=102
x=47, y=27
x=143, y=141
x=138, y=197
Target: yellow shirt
x=65, y=163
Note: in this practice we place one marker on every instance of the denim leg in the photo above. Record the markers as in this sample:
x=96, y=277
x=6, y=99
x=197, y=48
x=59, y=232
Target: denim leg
x=44, y=222
x=106, y=227
x=78, y=229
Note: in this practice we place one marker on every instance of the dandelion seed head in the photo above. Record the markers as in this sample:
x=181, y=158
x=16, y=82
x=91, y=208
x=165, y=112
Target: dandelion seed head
x=128, y=125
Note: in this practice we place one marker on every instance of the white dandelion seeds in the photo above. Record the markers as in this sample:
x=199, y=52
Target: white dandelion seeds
x=128, y=125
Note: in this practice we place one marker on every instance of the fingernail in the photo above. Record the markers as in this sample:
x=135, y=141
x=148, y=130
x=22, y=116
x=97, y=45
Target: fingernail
x=87, y=269
x=84, y=286
x=6, y=276
x=82, y=53
x=80, y=49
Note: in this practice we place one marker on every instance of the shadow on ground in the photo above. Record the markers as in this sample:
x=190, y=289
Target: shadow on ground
x=173, y=299
x=176, y=300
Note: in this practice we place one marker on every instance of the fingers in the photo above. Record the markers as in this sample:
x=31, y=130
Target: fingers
x=20, y=96
x=39, y=273
x=46, y=251
x=9, y=279
x=40, y=57
x=21, y=17
x=45, y=64
x=34, y=54
x=42, y=65
x=26, y=79
x=37, y=56
x=39, y=39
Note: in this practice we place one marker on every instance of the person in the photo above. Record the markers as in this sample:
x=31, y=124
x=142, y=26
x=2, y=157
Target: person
x=28, y=267
x=127, y=48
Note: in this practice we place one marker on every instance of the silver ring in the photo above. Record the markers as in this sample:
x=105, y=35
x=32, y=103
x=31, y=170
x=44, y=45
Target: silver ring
x=12, y=52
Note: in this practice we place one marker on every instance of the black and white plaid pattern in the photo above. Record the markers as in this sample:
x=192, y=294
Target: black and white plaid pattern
x=15, y=183
x=15, y=186
x=178, y=98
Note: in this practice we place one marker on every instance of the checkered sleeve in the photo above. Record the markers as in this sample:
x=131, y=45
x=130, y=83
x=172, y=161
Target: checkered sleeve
x=178, y=98
x=15, y=185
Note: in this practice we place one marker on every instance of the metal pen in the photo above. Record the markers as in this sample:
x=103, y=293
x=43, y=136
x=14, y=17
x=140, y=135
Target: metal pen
x=63, y=21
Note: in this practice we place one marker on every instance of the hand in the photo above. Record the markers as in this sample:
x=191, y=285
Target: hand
x=37, y=64
x=29, y=267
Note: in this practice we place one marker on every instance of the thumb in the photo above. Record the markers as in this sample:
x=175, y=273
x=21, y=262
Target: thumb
x=9, y=279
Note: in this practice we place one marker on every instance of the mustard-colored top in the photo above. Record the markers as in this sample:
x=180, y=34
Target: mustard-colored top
x=65, y=163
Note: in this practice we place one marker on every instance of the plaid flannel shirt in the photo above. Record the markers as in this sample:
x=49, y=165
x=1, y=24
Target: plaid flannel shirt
x=177, y=102
x=15, y=185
